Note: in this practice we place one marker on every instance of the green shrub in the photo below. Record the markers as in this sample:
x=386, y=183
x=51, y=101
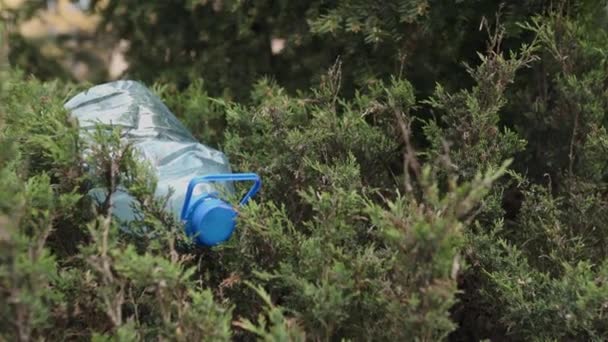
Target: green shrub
x=64, y=262
x=476, y=212
x=337, y=254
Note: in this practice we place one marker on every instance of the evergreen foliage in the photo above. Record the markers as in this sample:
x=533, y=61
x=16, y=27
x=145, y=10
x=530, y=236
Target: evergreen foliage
x=405, y=196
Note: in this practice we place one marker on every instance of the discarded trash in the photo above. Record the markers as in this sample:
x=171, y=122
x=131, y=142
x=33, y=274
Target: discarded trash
x=193, y=170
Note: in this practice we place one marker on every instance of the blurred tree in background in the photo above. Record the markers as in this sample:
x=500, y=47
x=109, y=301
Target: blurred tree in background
x=433, y=170
x=179, y=41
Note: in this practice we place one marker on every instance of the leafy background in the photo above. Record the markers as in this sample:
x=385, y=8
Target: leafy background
x=433, y=170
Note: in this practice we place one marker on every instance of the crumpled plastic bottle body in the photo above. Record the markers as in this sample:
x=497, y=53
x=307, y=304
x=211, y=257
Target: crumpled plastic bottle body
x=156, y=134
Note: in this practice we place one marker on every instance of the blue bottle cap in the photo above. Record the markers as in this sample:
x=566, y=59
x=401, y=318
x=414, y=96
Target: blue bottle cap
x=211, y=221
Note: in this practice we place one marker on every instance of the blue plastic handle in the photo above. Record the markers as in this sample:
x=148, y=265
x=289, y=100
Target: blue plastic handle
x=223, y=177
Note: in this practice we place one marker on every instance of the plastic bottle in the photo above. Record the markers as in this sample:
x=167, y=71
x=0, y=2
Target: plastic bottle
x=193, y=170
